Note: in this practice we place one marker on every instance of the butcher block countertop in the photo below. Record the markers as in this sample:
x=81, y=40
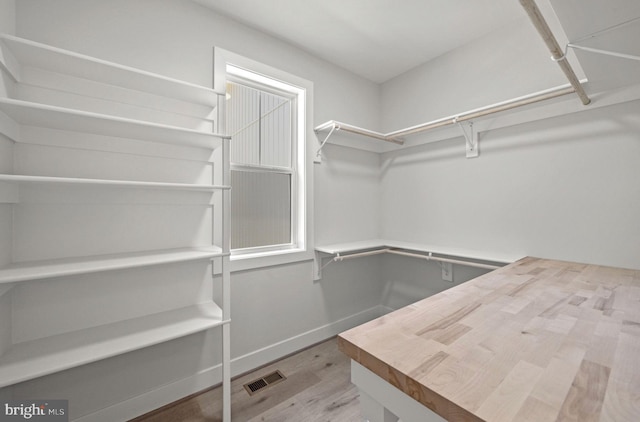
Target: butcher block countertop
x=538, y=340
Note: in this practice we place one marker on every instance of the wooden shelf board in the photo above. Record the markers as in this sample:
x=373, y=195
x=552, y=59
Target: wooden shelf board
x=43, y=56
x=14, y=178
x=36, y=358
x=356, y=246
x=53, y=117
x=34, y=270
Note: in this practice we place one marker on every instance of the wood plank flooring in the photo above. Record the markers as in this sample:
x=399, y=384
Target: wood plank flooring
x=317, y=389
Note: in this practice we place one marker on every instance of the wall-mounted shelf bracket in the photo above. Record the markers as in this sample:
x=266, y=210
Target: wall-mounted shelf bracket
x=318, y=266
x=318, y=157
x=471, y=139
x=338, y=258
x=333, y=126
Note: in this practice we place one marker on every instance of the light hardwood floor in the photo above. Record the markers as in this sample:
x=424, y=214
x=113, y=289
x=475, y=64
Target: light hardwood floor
x=317, y=389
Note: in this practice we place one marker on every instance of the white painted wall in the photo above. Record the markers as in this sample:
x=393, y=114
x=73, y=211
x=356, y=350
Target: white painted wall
x=8, y=16
x=175, y=38
x=507, y=63
x=563, y=188
x=347, y=195
x=408, y=280
x=7, y=25
x=276, y=310
x=280, y=304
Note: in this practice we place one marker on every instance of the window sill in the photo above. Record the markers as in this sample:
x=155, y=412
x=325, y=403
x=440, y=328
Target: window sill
x=268, y=259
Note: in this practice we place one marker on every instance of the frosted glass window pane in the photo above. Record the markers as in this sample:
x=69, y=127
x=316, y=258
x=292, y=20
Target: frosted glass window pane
x=243, y=111
x=260, y=209
x=260, y=126
x=275, y=131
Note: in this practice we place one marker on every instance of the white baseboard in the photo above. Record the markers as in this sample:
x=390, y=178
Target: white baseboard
x=169, y=393
x=385, y=309
x=291, y=345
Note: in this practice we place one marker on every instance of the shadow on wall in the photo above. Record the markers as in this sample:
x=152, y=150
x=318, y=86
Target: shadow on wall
x=351, y=286
x=408, y=280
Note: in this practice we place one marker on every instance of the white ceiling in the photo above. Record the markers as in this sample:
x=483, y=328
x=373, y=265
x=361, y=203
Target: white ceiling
x=377, y=39
x=381, y=39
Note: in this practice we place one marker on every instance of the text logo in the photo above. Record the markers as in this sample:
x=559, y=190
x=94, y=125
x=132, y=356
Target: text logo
x=35, y=411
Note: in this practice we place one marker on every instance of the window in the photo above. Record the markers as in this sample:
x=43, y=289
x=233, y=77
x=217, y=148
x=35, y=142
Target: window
x=265, y=118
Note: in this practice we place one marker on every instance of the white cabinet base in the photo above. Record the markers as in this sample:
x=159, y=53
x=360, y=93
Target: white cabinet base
x=382, y=402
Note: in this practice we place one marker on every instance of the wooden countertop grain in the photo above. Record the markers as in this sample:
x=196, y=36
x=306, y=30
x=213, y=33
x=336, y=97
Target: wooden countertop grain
x=538, y=340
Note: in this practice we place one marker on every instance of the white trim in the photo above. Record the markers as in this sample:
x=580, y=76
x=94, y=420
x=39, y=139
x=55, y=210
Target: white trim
x=152, y=400
x=260, y=357
x=303, y=249
x=297, y=97
x=168, y=393
x=269, y=259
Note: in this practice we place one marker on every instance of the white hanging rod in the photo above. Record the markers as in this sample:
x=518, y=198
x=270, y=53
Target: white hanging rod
x=485, y=111
x=557, y=54
x=339, y=257
x=453, y=119
x=428, y=257
x=575, y=86
x=335, y=125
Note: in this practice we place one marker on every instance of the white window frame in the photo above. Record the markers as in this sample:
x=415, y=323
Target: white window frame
x=294, y=94
x=242, y=68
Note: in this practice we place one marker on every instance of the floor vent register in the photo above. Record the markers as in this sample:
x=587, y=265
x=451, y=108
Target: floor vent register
x=260, y=384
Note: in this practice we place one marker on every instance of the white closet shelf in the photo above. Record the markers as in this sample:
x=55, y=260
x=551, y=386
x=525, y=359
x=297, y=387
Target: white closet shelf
x=53, y=117
x=23, y=179
x=34, y=270
x=504, y=114
x=372, y=244
x=36, y=358
x=31, y=53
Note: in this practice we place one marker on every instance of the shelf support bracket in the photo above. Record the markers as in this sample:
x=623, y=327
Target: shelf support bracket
x=471, y=139
x=605, y=52
x=600, y=50
x=318, y=157
x=318, y=267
